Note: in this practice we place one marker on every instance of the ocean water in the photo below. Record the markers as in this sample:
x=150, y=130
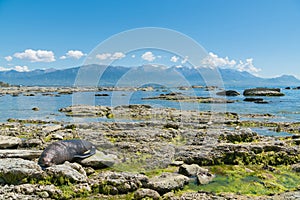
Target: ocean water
x=285, y=108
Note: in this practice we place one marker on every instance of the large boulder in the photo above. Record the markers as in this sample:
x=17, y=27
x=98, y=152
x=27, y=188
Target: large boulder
x=167, y=182
x=100, y=160
x=72, y=172
x=228, y=93
x=9, y=142
x=17, y=171
x=144, y=193
x=263, y=92
x=202, y=175
x=119, y=182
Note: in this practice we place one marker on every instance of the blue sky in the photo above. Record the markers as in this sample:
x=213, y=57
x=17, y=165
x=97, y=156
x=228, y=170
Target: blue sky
x=260, y=36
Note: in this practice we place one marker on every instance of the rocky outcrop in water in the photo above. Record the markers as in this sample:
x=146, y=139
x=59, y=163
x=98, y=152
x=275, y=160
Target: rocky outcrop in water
x=263, y=92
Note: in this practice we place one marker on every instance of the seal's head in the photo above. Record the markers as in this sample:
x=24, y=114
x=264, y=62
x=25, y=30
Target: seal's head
x=46, y=160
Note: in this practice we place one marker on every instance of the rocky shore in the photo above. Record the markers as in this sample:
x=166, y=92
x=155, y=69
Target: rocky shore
x=152, y=153
x=145, y=152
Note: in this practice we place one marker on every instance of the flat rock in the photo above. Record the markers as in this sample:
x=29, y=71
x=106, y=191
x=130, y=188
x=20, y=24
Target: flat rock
x=9, y=142
x=17, y=170
x=228, y=93
x=86, y=111
x=70, y=171
x=190, y=170
x=143, y=193
x=120, y=182
x=20, y=153
x=167, y=182
x=100, y=160
x=263, y=92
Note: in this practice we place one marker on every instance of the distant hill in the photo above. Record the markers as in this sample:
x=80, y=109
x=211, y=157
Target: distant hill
x=143, y=75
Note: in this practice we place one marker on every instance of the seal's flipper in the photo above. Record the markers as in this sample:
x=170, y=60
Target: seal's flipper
x=86, y=155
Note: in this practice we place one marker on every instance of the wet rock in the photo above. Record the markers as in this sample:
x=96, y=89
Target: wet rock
x=20, y=153
x=263, y=92
x=16, y=171
x=204, y=177
x=101, y=95
x=167, y=182
x=242, y=135
x=143, y=193
x=119, y=183
x=194, y=170
x=183, y=98
x=100, y=160
x=261, y=102
x=249, y=99
x=228, y=93
x=69, y=171
x=35, y=109
x=189, y=170
x=86, y=111
x=9, y=142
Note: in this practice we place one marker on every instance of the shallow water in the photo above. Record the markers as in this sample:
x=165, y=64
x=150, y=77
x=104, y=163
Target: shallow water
x=286, y=108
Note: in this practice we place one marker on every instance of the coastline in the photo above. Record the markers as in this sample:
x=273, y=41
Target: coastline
x=144, y=151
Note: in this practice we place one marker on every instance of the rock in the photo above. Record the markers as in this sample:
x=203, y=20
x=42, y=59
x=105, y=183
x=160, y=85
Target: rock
x=9, y=142
x=167, y=182
x=51, y=128
x=228, y=93
x=261, y=102
x=119, y=182
x=100, y=160
x=16, y=171
x=189, y=170
x=177, y=163
x=35, y=109
x=253, y=99
x=20, y=153
x=31, y=143
x=296, y=167
x=263, y=92
x=86, y=111
x=101, y=95
x=287, y=88
x=146, y=193
x=204, y=177
x=69, y=171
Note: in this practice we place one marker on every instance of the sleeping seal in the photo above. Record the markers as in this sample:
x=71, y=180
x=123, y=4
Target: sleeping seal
x=66, y=150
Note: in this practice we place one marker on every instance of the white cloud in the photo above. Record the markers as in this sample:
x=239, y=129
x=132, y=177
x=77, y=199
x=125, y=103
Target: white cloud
x=133, y=56
x=36, y=55
x=103, y=56
x=73, y=54
x=63, y=57
x=148, y=56
x=117, y=55
x=114, y=56
x=16, y=68
x=8, y=58
x=184, y=60
x=213, y=60
x=174, y=59
x=248, y=66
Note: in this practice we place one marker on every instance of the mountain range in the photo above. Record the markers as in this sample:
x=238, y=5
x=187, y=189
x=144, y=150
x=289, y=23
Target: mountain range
x=98, y=75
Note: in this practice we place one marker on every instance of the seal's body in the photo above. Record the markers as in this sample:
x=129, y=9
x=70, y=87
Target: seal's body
x=66, y=150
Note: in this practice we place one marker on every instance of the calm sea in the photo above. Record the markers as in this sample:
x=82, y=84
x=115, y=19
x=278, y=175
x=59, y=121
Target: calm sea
x=285, y=108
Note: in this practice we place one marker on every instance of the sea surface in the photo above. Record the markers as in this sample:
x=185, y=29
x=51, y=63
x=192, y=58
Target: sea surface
x=285, y=108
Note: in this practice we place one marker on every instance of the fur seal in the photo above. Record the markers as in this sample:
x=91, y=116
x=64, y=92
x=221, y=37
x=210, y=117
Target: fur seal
x=66, y=150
